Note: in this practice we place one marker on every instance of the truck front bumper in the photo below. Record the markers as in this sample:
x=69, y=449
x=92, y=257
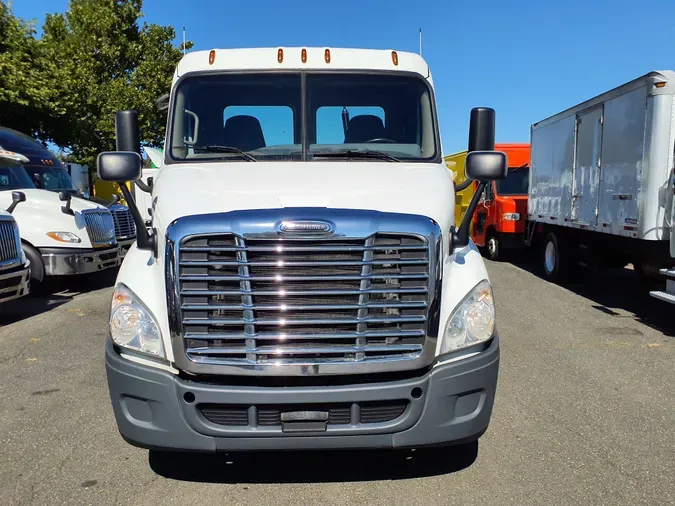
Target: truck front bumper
x=14, y=283
x=69, y=261
x=450, y=404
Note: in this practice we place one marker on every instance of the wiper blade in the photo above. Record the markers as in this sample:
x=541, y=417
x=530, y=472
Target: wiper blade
x=228, y=149
x=356, y=153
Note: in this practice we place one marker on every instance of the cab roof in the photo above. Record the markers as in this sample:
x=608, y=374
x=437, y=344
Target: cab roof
x=299, y=58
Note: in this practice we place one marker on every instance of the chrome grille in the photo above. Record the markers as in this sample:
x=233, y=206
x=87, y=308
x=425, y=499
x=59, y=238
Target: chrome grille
x=100, y=227
x=10, y=252
x=124, y=222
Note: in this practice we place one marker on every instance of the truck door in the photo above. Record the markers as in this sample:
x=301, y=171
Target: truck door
x=587, y=163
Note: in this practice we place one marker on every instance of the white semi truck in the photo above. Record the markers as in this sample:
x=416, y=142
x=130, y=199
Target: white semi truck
x=601, y=180
x=301, y=283
x=60, y=234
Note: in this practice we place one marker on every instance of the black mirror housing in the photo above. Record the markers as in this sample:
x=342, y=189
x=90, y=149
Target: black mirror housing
x=482, y=129
x=486, y=165
x=17, y=198
x=66, y=197
x=126, y=132
x=119, y=166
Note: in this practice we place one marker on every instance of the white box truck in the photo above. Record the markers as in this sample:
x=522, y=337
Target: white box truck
x=600, y=179
x=301, y=283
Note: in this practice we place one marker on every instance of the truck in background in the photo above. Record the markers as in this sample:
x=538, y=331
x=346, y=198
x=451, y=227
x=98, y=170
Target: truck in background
x=14, y=265
x=600, y=180
x=499, y=220
x=49, y=173
x=60, y=234
x=312, y=291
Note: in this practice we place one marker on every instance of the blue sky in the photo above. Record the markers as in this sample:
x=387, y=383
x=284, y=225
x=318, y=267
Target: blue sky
x=526, y=58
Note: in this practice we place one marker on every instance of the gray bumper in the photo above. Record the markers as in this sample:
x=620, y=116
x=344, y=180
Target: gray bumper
x=68, y=261
x=14, y=283
x=155, y=409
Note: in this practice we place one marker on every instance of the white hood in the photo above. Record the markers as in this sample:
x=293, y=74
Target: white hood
x=41, y=213
x=191, y=189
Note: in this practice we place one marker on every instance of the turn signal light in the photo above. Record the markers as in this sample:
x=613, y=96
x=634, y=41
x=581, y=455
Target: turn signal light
x=394, y=57
x=212, y=57
x=660, y=85
x=326, y=55
x=280, y=55
x=303, y=56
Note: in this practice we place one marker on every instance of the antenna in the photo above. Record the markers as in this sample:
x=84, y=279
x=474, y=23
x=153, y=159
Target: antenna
x=183, y=41
x=420, y=42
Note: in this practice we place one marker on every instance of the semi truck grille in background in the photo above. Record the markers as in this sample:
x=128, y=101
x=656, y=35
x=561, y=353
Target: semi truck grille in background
x=100, y=227
x=9, y=243
x=124, y=222
x=303, y=301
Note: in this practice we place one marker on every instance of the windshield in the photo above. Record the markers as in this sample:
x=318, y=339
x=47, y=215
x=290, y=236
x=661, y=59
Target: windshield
x=51, y=178
x=516, y=183
x=14, y=178
x=259, y=117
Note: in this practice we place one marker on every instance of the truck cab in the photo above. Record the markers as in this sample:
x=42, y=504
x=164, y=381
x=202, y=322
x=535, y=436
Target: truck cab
x=302, y=283
x=60, y=234
x=48, y=173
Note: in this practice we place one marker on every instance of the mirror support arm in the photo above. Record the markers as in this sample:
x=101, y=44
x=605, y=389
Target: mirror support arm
x=460, y=237
x=144, y=240
x=146, y=188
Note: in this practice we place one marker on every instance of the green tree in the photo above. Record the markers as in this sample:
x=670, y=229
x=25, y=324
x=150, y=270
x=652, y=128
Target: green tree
x=27, y=98
x=104, y=60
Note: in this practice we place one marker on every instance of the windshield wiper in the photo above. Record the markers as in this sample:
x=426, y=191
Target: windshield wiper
x=228, y=149
x=356, y=153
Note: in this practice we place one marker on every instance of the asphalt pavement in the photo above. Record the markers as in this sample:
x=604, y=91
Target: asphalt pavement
x=585, y=414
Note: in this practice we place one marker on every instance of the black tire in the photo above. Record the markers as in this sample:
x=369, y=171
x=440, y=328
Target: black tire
x=37, y=269
x=556, y=260
x=648, y=271
x=493, y=247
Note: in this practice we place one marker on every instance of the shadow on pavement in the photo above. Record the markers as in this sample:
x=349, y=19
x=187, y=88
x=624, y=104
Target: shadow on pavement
x=620, y=293
x=54, y=293
x=312, y=467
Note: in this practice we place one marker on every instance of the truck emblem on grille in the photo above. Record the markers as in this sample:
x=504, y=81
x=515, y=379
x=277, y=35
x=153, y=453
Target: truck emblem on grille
x=305, y=227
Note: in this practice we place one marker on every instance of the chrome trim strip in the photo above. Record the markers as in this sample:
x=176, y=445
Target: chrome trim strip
x=75, y=261
x=263, y=224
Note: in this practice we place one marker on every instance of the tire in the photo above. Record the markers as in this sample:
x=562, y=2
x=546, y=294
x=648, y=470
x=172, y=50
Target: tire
x=37, y=269
x=648, y=271
x=493, y=247
x=556, y=260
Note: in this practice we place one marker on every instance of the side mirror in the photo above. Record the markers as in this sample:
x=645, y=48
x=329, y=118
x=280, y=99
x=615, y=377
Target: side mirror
x=486, y=165
x=17, y=198
x=119, y=166
x=162, y=103
x=482, y=129
x=126, y=132
x=482, y=164
x=66, y=197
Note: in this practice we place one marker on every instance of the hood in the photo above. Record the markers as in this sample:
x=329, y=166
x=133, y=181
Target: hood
x=36, y=198
x=410, y=188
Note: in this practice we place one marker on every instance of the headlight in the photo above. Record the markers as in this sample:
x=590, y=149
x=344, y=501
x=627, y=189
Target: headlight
x=511, y=216
x=64, y=236
x=132, y=325
x=472, y=321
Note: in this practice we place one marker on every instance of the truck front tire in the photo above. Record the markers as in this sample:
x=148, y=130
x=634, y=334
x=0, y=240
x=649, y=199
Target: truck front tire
x=37, y=268
x=493, y=247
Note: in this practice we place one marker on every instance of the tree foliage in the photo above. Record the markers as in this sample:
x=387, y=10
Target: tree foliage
x=90, y=62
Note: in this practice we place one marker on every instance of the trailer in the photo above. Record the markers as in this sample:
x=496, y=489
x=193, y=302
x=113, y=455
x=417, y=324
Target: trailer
x=600, y=180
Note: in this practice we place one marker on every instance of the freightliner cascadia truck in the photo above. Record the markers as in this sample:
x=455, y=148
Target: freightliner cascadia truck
x=302, y=283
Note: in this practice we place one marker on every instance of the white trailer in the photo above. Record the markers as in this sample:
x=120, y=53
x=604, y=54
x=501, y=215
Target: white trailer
x=600, y=179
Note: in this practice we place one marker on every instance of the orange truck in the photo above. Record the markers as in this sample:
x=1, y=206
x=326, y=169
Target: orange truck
x=499, y=221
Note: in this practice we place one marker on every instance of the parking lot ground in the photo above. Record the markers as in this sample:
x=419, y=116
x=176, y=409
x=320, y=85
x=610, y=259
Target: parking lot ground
x=585, y=414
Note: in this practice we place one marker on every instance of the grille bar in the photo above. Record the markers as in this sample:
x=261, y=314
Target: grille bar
x=317, y=336
x=336, y=263
x=279, y=249
x=304, y=321
x=305, y=307
x=300, y=350
x=314, y=293
x=242, y=277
